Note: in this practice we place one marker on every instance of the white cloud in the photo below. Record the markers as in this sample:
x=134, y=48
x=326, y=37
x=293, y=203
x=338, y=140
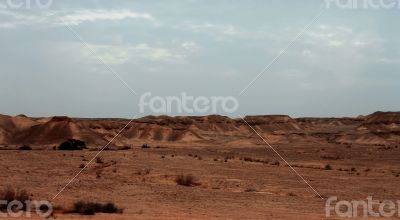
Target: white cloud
x=190, y=46
x=335, y=43
x=142, y=54
x=224, y=32
x=331, y=52
x=80, y=16
x=6, y=25
x=340, y=36
x=386, y=60
x=156, y=54
x=12, y=19
x=116, y=55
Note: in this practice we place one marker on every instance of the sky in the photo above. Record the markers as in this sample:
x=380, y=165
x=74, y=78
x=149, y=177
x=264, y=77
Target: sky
x=88, y=58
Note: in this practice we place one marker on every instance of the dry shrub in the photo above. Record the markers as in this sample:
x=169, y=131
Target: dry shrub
x=250, y=190
x=330, y=157
x=9, y=194
x=125, y=148
x=328, y=167
x=25, y=147
x=185, y=180
x=99, y=160
x=248, y=159
x=143, y=172
x=276, y=163
x=91, y=208
x=72, y=144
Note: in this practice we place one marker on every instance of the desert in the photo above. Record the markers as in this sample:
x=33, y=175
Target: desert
x=199, y=109
x=210, y=167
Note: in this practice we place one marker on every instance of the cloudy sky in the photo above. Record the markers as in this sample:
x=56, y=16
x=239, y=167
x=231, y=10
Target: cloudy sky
x=346, y=62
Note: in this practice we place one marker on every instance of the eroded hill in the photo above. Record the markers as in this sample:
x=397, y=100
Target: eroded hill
x=379, y=128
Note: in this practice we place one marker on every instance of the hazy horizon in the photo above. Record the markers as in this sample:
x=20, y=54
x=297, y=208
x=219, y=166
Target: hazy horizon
x=233, y=117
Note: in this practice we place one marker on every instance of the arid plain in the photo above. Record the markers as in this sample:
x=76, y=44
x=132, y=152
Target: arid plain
x=236, y=175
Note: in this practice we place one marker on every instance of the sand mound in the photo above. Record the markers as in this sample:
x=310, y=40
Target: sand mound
x=367, y=139
x=274, y=123
x=55, y=131
x=23, y=122
x=377, y=128
x=383, y=117
x=381, y=123
x=4, y=137
x=6, y=123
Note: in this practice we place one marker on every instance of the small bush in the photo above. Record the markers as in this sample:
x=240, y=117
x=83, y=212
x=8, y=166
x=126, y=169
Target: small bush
x=25, y=147
x=328, y=167
x=330, y=157
x=230, y=157
x=91, y=208
x=125, y=148
x=143, y=172
x=9, y=194
x=276, y=163
x=250, y=190
x=99, y=160
x=98, y=174
x=248, y=159
x=72, y=144
x=110, y=208
x=185, y=180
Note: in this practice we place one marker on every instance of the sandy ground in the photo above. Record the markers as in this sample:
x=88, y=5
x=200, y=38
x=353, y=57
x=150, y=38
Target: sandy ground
x=142, y=181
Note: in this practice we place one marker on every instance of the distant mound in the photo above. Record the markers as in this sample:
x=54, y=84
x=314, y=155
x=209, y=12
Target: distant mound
x=53, y=131
x=4, y=136
x=15, y=123
x=377, y=128
x=367, y=139
x=274, y=123
x=383, y=117
x=56, y=130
